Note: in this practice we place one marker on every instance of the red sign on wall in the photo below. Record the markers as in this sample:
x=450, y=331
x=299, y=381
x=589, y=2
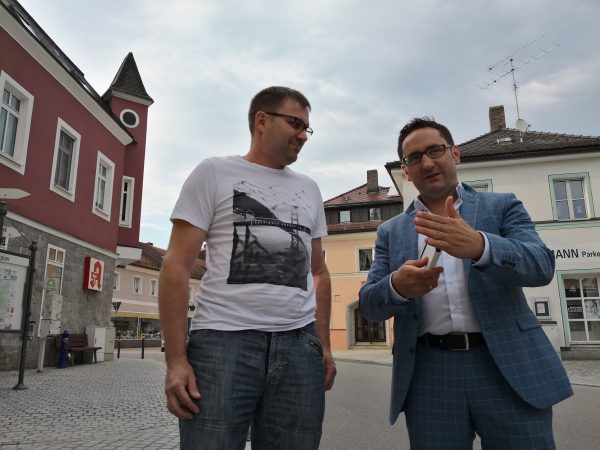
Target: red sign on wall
x=93, y=273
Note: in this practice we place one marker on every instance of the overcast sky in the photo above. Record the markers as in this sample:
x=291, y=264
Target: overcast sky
x=366, y=66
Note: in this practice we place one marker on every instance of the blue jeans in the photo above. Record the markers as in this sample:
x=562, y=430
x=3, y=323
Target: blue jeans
x=274, y=381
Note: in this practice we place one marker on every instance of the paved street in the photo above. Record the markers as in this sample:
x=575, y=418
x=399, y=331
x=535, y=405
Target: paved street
x=120, y=405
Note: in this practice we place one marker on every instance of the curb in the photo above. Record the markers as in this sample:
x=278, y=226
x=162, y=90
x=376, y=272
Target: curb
x=362, y=361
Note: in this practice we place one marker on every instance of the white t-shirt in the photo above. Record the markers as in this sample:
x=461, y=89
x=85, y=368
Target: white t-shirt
x=260, y=223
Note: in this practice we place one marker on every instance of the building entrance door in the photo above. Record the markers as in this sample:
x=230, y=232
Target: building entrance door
x=367, y=331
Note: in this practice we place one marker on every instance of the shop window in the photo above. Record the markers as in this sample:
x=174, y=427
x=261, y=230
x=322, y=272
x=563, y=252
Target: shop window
x=583, y=307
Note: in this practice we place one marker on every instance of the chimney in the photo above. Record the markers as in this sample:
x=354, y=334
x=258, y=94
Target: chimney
x=372, y=182
x=497, y=119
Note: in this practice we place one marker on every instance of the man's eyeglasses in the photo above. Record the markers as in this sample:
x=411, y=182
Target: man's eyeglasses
x=433, y=152
x=297, y=124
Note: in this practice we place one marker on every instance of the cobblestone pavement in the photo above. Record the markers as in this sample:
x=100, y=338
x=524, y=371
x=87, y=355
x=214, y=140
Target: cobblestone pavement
x=109, y=405
x=120, y=405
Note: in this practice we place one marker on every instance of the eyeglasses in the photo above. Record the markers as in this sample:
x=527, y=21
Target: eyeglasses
x=433, y=152
x=297, y=124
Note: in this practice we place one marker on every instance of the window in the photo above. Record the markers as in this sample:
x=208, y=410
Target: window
x=374, y=213
x=16, y=106
x=129, y=118
x=55, y=263
x=137, y=285
x=126, y=202
x=103, y=189
x=116, y=281
x=153, y=288
x=480, y=185
x=571, y=196
x=66, y=159
x=345, y=216
x=570, y=203
x=583, y=307
x=365, y=259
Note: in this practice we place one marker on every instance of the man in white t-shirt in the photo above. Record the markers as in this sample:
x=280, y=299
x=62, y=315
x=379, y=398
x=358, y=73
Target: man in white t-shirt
x=258, y=351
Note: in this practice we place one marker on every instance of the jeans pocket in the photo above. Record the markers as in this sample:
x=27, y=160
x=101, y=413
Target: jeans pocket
x=312, y=341
x=196, y=335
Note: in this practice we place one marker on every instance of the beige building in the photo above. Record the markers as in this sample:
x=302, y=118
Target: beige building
x=135, y=293
x=352, y=221
x=557, y=177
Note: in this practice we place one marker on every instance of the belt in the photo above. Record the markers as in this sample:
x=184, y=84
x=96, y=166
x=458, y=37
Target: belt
x=453, y=341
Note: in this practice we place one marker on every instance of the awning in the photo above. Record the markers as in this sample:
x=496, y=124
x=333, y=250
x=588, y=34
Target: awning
x=136, y=315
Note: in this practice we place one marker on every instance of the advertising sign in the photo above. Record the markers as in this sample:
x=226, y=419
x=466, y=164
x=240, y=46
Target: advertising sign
x=93, y=274
x=13, y=276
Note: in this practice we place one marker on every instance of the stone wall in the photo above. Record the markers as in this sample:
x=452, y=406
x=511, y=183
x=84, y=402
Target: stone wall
x=80, y=307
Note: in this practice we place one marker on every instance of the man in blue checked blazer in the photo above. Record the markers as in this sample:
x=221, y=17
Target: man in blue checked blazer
x=469, y=355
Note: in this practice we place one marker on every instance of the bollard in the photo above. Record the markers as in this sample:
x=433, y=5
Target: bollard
x=63, y=358
x=143, y=340
x=119, y=347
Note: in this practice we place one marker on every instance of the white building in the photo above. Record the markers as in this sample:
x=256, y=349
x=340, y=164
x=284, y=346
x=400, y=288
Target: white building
x=557, y=177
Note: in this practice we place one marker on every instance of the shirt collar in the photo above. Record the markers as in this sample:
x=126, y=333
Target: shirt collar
x=420, y=206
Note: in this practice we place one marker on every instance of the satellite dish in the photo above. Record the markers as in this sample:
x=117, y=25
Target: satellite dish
x=522, y=125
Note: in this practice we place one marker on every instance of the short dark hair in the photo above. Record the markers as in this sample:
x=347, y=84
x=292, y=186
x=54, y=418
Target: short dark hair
x=422, y=122
x=271, y=98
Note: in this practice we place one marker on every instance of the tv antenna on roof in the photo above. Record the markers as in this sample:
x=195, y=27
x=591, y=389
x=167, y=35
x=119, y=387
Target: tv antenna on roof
x=509, y=64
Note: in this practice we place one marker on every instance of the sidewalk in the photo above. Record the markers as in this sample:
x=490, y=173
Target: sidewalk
x=586, y=372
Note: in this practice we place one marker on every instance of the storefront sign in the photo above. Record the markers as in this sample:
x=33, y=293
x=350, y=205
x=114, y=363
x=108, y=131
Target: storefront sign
x=577, y=253
x=93, y=274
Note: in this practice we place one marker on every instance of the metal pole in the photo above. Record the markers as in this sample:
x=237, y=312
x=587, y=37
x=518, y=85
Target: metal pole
x=119, y=348
x=26, y=314
x=143, y=340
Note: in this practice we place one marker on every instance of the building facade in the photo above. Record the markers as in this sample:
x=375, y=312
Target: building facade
x=557, y=177
x=79, y=159
x=135, y=294
x=352, y=220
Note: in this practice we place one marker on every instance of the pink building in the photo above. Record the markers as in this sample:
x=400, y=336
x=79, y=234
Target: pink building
x=80, y=157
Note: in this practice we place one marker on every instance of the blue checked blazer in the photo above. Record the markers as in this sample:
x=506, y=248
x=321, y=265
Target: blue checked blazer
x=514, y=336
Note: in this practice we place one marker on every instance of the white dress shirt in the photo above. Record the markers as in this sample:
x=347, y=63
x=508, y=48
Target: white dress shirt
x=447, y=308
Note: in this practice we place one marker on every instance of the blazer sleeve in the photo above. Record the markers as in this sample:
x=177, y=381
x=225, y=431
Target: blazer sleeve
x=375, y=302
x=518, y=255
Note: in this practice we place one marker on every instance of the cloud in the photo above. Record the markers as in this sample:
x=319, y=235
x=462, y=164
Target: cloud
x=366, y=67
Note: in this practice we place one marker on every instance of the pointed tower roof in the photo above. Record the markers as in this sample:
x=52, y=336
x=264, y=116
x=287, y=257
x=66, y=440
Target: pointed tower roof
x=128, y=81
